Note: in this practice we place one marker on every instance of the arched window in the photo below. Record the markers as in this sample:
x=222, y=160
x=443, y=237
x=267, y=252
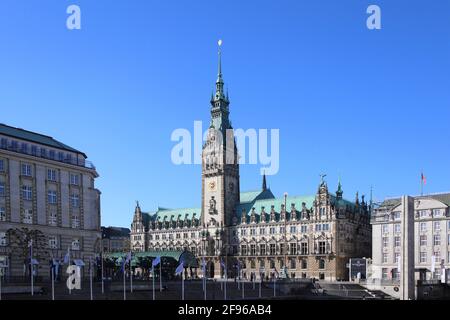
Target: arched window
x=321, y=264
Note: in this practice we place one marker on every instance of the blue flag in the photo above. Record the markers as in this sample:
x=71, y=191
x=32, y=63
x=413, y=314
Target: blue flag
x=156, y=262
x=223, y=265
x=180, y=269
x=203, y=265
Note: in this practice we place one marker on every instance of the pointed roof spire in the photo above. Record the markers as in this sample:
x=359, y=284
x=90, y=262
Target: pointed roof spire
x=219, y=72
x=264, y=185
x=339, y=191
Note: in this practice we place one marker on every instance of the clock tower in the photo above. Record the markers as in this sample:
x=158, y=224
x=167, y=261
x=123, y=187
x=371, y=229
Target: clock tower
x=220, y=171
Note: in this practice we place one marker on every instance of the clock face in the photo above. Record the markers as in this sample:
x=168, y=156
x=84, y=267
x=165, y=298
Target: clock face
x=212, y=185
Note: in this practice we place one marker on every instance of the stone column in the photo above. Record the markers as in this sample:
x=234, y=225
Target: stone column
x=407, y=276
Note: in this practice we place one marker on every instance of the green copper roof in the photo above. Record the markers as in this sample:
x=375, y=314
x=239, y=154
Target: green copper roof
x=35, y=137
x=268, y=203
x=252, y=196
x=169, y=214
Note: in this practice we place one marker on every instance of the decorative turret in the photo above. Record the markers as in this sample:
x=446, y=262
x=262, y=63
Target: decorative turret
x=339, y=191
x=357, y=199
x=264, y=184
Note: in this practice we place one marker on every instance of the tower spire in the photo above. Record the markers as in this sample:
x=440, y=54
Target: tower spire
x=220, y=95
x=264, y=185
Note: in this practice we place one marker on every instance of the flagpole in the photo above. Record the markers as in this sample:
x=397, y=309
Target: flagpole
x=153, y=278
x=226, y=281
x=68, y=264
x=131, y=277
x=103, y=278
x=160, y=275
x=90, y=277
x=124, y=288
x=53, y=280
x=243, y=289
x=31, y=268
x=260, y=281
x=274, y=286
x=182, y=285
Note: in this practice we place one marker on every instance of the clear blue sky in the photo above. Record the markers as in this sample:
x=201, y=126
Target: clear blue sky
x=372, y=106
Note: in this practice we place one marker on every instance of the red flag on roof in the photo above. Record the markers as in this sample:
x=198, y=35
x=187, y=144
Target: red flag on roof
x=424, y=179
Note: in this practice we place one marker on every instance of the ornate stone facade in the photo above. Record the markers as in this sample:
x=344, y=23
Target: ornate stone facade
x=255, y=234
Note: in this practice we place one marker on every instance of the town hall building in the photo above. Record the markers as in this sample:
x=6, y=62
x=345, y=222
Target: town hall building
x=255, y=234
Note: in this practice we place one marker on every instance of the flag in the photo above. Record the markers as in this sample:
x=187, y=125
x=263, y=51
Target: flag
x=222, y=263
x=203, y=265
x=156, y=261
x=67, y=256
x=179, y=269
x=423, y=178
x=128, y=259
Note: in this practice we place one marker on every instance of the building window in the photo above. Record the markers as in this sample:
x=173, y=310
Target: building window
x=34, y=151
x=243, y=250
x=384, y=273
x=423, y=240
x=53, y=242
x=293, y=263
x=304, y=264
x=2, y=165
x=253, y=264
x=322, y=249
x=282, y=251
x=3, y=215
x=385, y=242
x=272, y=264
x=397, y=257
x=51, y=174
x=74, y=179
x=272, y=249
x=293, y=229
x=385, y=228
x=52, y=154
x=397, y=242
x=74, y=199
x=27, y=192
x=304, y=229
x=321, y=264
x=437, y=240
x=76, y=244
x=423, y=257
x=385, y=257
x=437, y=225
x=262, y=231
x=262, y=249
x=322, y=212
x=437, y=213
x=262, y=264
x=4, y=143
x=272, y=230
x=423, y=227
x=52, y=197
x=397, y=228
x=325, y=227
x=60, y=156
x=282, y=230
x=423, y=213
x=293, y=249
x=2, y=189
x=243, y=232
x=304, y=248
x=75, y=222
x=53, y=219
x=448, y=242
x=395, y=274
x=253, y=232
x=396, y=215
x=3, y=241
x=253, y=250
x=27, y=216
x=26, y=169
